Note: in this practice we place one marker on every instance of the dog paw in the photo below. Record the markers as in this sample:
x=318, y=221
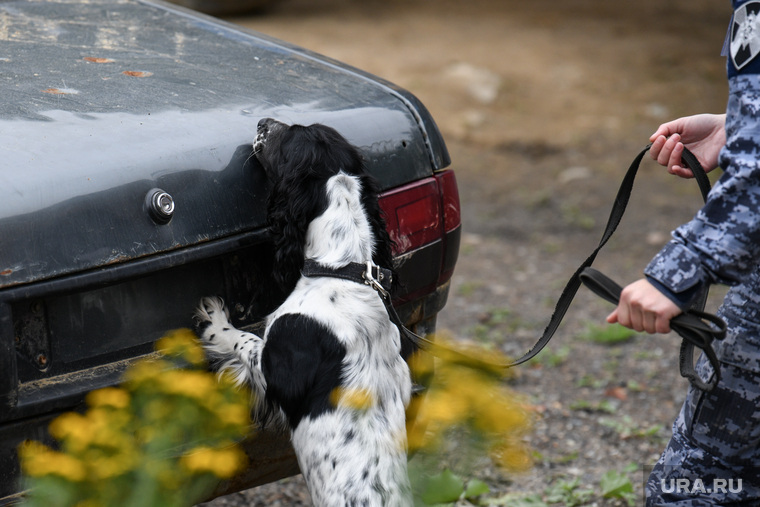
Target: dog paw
x=212, y=322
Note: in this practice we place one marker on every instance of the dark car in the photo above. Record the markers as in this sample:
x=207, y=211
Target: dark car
x=129, y=192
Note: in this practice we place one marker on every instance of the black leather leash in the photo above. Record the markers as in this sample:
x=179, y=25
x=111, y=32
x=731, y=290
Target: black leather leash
x=697, y=328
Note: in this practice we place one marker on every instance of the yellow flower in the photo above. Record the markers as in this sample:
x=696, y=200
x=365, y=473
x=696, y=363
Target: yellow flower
x=442, y=408
x=416, y=436
x=144, y=372
x=512, y=455
x=198, y=385
x=38, y=460
x=73, y=428
x=235, y=415
x=357, y=399
x=108, y=467
x=110, y=396
x=223, y=463
x=421, y=364
x=182, y=343
x=502, y=416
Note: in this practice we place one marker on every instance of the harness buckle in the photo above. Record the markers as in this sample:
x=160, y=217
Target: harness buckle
x=374, y=281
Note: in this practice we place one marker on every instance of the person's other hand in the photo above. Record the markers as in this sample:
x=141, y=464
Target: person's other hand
x=644, y=308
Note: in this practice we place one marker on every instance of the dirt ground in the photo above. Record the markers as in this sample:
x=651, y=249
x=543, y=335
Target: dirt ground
x=543, y=105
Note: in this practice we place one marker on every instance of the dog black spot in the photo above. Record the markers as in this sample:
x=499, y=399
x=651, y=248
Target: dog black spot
x=333, y=297
x=334, y=464
x=225, y=329
x=365, y=474
x=302, y=364
x=211, y=338
x=235, y=347
x=349, y=436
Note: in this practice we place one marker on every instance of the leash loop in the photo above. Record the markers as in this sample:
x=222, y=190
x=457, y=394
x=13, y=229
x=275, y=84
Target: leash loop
x=697, y=328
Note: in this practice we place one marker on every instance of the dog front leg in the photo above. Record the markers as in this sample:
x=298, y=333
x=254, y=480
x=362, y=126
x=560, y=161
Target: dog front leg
x=238, y=351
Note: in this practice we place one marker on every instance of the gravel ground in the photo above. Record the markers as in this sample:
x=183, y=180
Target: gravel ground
x=543, y=104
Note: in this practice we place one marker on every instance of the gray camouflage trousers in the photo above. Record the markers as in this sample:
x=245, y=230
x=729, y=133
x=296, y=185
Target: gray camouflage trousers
x=713, y=457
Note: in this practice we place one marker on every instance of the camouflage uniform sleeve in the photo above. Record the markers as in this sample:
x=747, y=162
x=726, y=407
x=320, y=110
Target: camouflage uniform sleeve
x=721, y=244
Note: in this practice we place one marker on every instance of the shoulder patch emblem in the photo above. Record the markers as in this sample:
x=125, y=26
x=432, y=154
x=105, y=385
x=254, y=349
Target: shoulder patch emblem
x=745, y=34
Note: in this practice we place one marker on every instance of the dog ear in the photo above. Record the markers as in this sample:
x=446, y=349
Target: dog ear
x=294, y=203
x=297, y=197
x=307, y=158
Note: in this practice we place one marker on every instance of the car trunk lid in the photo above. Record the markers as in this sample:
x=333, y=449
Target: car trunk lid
x=107, y=101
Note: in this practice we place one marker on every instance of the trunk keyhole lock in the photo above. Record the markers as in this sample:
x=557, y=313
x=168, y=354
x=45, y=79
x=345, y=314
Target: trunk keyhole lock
x=160, y=206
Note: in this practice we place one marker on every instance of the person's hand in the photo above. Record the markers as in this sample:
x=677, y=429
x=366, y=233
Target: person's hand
x=703, y=134
x=644, y=308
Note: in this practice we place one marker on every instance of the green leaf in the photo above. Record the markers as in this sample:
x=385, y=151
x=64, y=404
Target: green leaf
x=607, y=335
x=615, y=485
x=445, y=487
x=476, y=488
x=568, y=493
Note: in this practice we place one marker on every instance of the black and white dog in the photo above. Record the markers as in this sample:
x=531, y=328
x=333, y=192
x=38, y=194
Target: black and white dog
x=328, y=366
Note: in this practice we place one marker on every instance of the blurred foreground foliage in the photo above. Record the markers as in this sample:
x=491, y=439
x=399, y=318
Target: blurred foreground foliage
x=165, y=437
x=169, y=433
x=466, y=415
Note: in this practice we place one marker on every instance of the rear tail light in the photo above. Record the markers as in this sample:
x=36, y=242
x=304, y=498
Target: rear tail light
x=413, y=215
x=424, y=213
x=452, y=221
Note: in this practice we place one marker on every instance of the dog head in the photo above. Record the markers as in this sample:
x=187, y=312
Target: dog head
x=299, y=160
